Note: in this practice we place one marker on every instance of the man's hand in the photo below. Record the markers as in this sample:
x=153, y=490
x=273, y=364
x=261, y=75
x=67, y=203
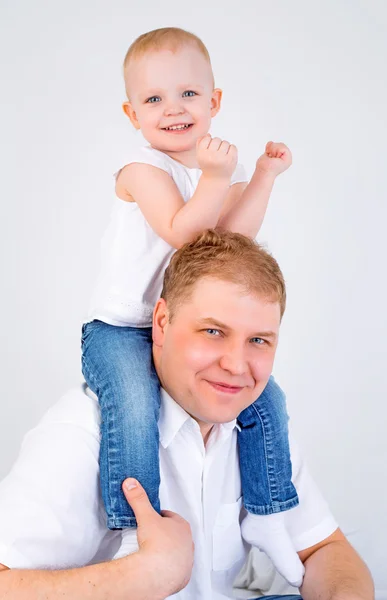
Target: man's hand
x=217, y=158
x=165, y=541
x=275, y=160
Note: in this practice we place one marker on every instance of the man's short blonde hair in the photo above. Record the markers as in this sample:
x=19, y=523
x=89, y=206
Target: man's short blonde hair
x=225, y=256
x=170, y=38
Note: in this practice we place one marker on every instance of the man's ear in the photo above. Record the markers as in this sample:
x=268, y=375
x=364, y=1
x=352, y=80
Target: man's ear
x=129, y=111
x=216, y=101
x=160, y=322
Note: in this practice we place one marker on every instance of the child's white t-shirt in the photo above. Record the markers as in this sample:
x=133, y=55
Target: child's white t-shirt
x=134, y=257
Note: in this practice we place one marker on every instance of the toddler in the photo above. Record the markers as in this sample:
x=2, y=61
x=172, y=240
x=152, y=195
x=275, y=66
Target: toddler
x=182, y=182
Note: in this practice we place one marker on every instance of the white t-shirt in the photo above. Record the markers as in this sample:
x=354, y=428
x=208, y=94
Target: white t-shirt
x=52, y=516
x=133, y=256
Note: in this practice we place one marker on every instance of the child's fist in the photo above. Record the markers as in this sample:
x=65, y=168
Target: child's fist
x=217, y=158
x=275, y=160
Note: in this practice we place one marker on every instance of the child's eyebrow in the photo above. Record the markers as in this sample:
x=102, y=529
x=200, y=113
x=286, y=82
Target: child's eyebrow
x=151, y=92
x=188, y=86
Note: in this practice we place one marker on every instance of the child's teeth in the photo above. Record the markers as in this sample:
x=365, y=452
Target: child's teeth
x=177, y=127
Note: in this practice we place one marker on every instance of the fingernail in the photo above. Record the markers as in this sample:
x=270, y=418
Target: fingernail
x=130, y=484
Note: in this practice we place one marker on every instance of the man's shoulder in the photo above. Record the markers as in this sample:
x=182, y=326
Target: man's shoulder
x=78, y=408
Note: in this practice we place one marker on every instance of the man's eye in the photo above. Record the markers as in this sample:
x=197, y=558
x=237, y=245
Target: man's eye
x=257, y=340
x=189, y=93
x=154, y=99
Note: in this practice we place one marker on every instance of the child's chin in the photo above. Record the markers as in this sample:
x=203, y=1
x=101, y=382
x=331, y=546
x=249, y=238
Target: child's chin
x=179, y=146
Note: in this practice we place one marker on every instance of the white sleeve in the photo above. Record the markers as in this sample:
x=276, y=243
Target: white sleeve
x=311, y=521
x=148, y=156
x=239, y=175
x=50, y=507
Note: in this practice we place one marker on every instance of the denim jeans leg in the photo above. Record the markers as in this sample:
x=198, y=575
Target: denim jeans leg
x=264, y=454
x=283, y=597
x=117, y=365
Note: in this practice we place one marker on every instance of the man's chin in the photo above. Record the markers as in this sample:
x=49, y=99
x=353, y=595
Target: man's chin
x=222, y=414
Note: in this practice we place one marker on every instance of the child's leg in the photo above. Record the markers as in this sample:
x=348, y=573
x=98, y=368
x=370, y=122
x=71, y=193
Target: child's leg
x=264, y=454
x=266, y=472
x=117, y=365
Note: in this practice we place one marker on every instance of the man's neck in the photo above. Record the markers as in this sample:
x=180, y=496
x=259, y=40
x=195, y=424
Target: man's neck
x=205, y=430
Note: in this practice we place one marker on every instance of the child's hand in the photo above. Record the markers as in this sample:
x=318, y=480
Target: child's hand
x=216, y=158
x=276, y=159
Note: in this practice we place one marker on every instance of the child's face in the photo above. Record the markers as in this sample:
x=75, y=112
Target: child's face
x=172, y=88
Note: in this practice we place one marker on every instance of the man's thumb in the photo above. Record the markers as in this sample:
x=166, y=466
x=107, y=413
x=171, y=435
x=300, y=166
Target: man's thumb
x=138, y=499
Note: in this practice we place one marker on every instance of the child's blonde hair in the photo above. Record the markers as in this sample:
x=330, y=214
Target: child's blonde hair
x=171, y=38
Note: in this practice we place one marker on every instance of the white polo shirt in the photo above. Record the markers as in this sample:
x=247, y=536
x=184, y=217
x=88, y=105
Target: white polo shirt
x=51, y=511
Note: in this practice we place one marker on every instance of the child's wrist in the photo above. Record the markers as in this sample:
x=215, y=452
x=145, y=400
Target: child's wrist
x=262, y=176
x=218, y=180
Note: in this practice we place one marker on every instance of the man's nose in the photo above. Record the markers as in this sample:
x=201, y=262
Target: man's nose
x=234, y=361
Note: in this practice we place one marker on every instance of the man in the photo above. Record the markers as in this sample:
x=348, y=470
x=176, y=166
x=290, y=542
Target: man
x=215, y=333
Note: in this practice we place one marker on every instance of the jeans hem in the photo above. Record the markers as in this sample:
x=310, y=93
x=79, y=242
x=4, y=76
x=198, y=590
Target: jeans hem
x=121, y=523
x=274, y=507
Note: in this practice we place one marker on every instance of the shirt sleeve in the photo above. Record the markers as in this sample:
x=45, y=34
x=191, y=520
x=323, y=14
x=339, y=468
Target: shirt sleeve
x=311, y=521
x=239, y=175
x=50, y=507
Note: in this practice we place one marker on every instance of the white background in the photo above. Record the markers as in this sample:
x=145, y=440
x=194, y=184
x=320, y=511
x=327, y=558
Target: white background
x=312, y=74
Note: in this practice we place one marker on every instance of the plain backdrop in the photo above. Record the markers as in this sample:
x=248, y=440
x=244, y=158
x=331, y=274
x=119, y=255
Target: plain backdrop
x=311, y=74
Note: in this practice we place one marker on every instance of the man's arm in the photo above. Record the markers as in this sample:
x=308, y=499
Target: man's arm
x=160, y=568
x=129, y=577
x=334, y=571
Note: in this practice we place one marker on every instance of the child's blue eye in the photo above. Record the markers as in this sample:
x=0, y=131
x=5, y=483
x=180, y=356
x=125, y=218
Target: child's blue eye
x=189, y=93
x=154, y=99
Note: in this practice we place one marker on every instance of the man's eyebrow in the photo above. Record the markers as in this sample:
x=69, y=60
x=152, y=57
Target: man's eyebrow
x=216, y=323
x=266, y=334
x=212, y=321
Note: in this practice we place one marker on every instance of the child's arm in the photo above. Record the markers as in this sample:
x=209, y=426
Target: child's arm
x=161, y=203
x=246, y=214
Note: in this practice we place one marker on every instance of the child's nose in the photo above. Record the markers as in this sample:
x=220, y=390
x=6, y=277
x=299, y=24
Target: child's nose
x=174, y=108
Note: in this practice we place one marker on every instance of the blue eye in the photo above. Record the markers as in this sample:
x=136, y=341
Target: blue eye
x=213, y=332
x=257, y=340
x=154, y=99
x=189, y=94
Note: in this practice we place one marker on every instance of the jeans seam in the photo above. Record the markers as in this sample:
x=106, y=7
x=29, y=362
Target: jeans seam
x=96, y=390
x=274, y=507
x=268, y=478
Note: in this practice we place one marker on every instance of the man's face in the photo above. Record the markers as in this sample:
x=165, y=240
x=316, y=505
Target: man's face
x=216, y=355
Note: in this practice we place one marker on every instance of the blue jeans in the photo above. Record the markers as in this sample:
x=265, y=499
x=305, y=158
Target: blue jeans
x=118, y=367
x=283, y=597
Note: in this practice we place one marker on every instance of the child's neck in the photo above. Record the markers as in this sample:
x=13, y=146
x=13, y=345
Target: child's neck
x=186, y=158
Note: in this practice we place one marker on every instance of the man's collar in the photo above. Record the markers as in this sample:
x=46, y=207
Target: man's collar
x=173, y=417
x=171, y=420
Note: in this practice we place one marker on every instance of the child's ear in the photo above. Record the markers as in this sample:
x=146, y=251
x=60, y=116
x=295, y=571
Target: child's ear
x=129, y=111
x=216, y=100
